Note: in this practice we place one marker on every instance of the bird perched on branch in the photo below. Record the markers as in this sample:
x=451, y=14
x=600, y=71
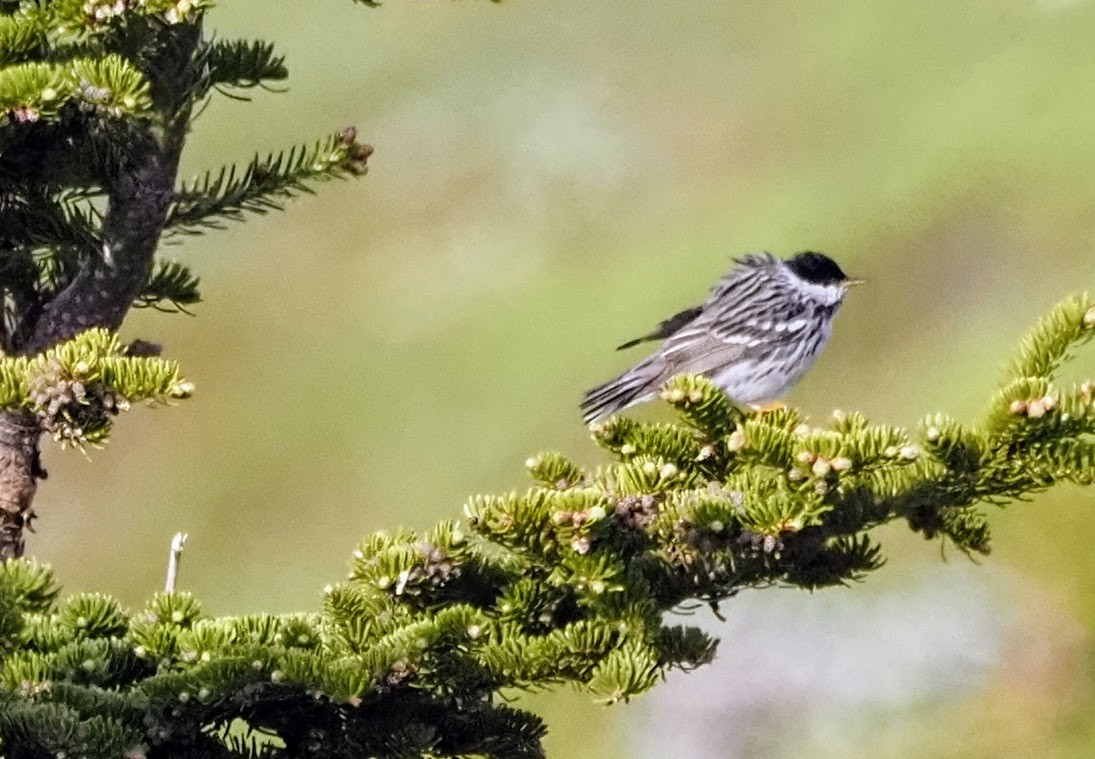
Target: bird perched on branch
x=763, y=326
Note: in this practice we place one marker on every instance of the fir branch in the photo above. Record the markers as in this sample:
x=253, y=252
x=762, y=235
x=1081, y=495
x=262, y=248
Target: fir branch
x=207, y=202
x=39, y=90
x=242, y=64
x=171, y=287
x=20, y=34
x=78, y=387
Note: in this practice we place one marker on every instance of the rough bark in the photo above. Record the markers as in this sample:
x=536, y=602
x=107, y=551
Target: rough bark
x=19, y=474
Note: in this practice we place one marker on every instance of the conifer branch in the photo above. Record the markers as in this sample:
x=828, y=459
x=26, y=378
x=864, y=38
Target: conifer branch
x=567, y=582
x=77, y=387
x=170, y=287
x=20, y=34
x=207, y=202
x=243, y=64
x=35, y=91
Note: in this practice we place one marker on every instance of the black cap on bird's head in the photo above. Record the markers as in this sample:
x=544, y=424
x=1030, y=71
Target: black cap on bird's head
x=818, y=269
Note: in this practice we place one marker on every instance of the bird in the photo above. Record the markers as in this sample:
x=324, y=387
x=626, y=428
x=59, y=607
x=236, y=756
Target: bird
x=761, y=328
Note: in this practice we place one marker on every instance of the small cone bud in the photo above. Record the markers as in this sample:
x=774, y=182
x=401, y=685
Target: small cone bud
x=1089, y=318
x=821, y=467
x=1036, y=409
x=1017, y=407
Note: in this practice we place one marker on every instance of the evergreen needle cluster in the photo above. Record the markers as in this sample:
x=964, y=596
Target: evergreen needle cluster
x=570, y=581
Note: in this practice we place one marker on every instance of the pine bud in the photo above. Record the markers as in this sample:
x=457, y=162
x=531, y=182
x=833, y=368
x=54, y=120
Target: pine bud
x=668, y=471
x=627, y=449
x=910, y=452
x=805, y=457
x=821, y=486
x=1036, y=409
x=675, y=396
x=1050, y=401
x=1017, y=407
x=794, y=474
x=933, y=434
x=706, y=452
x=531, y=462
x=841, y=463
x=695, y=396
x=736, y=441
x=802, y=430
x=1089, y=318
x=821, y=467
x=650, y=467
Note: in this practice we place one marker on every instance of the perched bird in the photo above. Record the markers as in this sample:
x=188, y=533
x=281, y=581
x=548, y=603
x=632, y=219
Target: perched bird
x=761, y=328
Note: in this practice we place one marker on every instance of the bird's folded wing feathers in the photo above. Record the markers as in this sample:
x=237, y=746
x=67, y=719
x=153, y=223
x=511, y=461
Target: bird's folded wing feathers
x=665, y=328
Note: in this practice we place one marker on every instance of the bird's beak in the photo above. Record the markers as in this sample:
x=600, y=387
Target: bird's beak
x=854, y=282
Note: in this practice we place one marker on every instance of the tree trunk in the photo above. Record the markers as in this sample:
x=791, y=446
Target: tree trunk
x=20, y=471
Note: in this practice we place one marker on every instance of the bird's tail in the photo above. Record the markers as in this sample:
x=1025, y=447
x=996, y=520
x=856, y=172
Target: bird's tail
x=633, y=386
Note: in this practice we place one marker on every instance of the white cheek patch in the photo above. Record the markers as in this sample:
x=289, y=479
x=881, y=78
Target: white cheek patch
x=826, y=295
x=792, y=326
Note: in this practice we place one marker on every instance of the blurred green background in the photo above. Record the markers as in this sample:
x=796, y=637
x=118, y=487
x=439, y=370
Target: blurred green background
x=552, y=178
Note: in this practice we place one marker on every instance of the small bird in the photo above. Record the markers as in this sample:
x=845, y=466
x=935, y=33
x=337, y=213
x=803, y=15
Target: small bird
x=764, y=324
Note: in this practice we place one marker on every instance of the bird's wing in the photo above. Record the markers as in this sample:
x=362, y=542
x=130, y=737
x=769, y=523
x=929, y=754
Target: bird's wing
x=731, y=330
x=665, y=328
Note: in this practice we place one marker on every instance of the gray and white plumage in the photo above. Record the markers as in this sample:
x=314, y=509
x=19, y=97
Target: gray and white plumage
x=763, y=326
